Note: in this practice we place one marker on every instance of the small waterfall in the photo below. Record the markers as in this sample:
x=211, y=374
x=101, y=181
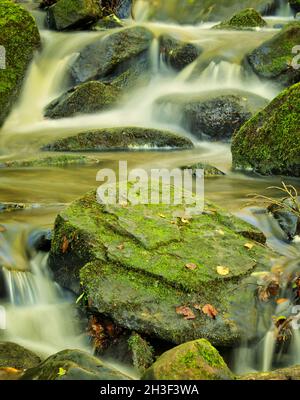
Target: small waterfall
x=268, y=349
x=284, y=9
x=141, y=10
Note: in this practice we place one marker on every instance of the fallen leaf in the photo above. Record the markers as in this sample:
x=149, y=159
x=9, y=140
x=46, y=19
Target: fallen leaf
x=220, y=232
x=185, y=221
x=120, y=247
x=186, y=312
x=161, y=215
x=61, y=372
x=221, y=270
x=210, y=310
x=280, y=301
x=249, y=246
x=65, y=245
x=191, y=266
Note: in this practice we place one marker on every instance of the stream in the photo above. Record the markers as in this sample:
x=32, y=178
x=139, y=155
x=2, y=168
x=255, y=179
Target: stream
x=40, y=315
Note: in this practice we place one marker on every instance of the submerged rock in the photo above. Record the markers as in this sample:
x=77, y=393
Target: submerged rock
x=214, y=114
x=66, y=14
x=274, y=58
x=245, y=19
x=87, y=98
x=19, y=38
x=178, y=54
x=141, y=265
x=197, y=360
x=112, y=55
x=284, y=374
x=73, y=365
x=270, y=142
x=209, y=170
x=14, y=356
x=123, y=138
x=50, y=161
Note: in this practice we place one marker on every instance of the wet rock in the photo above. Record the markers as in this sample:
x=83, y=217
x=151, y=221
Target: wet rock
x=40, y=240
x=87, y=98
x=124, y=138
x=242, y=20
x=131, y=262
x=178, y=54
x=295, y=5
x=123, y=9
x=142, y=353
x=19, y=38
x=47, y=3
x=14, y=356
x=284, y=374
x=112, y=55
x=66, y=14
x=197, y=360
x=214, y=115
x=274, y=59
x=209, y=170
x=270, y=142
x=50, y=161
x=288, y=221
x=73, y=365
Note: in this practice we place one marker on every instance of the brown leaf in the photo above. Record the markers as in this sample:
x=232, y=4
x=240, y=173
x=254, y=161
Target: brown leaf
x=280, y=301
x=65, y=245
x=191, y=266
x=186, y=312
x=210, y=310
x=121, y=246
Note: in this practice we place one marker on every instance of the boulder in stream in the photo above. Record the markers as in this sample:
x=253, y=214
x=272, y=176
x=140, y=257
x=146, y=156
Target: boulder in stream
x=15, y=356
x=153, y=271
x=242, y=20
x=196, y=360
x=275, y=58
x=19, y=38
x=269, y=143
x=123, y=138
x=283, y=374
x=209, y=170
x=214, y=115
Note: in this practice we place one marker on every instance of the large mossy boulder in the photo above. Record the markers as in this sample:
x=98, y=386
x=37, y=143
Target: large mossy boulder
x=274, y=58
x=196, y=360
x=73, y=365
x=73, y=14
x=242, y=20
x=15, y=356
x=113, y=54
x=19, y=38
x=270, y=142
x=195, y=11
x=151, y=270
x=214, y=115
x=124, y=138
x=87, y=98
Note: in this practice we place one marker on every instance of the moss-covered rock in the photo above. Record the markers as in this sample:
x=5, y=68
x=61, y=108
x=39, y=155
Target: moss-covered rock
x=73, y=365
x=209, y=170
x=50, y=161
x=87, y=98
x=125, y=138
x=19, y=37
x=132, y=262
x=178, y=54
x=112, y=55
x=270, y=142
x=242, y=20
x=284, y=374
x=197, y=360
x=14, y=356
x=142, y=352
x=215, y=114
x=73, y=14
x=274, y=58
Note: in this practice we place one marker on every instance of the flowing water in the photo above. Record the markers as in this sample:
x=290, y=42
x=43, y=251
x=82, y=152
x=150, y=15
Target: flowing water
x=40, y=315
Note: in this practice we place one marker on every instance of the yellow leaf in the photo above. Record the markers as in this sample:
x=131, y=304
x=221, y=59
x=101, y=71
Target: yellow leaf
x=249, y=246
x=61, y=372
x=220, y=232
x=161, y=215
x=280, y=301
x=185, y=221
x=191, y=266
x=221, y=270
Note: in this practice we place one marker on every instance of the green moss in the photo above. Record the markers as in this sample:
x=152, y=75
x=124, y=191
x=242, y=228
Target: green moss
x=50, y=161
x=142, y=352
x=270, y=142
x=245, y=19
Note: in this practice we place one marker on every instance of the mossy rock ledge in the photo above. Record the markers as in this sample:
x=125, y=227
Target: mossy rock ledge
x=19, y=36
x=269, y=143
x=132, y=263
x=244, y=20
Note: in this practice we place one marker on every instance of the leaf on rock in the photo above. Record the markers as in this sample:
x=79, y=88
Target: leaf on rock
x=61, y=372
x=121, y=246
x=210, y=310
x=162, y=216
x=65, y=245
x=223, y=271
x=191, y=266
x=186, y=312
x=249, y=246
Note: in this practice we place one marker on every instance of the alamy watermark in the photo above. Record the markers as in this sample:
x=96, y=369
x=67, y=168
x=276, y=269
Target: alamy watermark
x=157, y=186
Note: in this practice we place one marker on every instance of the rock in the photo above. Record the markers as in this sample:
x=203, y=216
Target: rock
x=108, y=22
x=40, y=240
x=142, y=353
x=193, y=12
x=66, y=14
x=124, y=138
x=288, y=221
x=14, y=356
x=47, y=3
x=87, y=98
x=73, y=365
x=295, y=5
x=178, y=54
x=214, y=114
x=19, y=38
x=123, y=9
x=131, y=262
x=274, y=58
x=284, y=374
x=242, y=20
x=270, y=142
x=196, y=360
x=209, y=170
x=50, y=161
x=112, y=55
